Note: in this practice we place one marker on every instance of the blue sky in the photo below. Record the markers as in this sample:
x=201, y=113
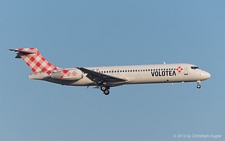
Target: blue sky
x=105, y=33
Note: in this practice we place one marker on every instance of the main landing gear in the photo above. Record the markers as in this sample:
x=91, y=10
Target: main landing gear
x=198, y=84
x=105, y=89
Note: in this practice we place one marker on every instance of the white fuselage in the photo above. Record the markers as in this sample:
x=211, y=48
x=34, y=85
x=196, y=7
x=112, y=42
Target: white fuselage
x=141, y=74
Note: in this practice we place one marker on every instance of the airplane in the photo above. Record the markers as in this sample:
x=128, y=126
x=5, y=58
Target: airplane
x=110, y=76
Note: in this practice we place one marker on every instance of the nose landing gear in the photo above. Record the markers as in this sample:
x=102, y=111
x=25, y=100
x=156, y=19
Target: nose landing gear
x=198, y=84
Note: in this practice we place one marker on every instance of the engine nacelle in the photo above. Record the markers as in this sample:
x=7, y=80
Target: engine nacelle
x=70, y=74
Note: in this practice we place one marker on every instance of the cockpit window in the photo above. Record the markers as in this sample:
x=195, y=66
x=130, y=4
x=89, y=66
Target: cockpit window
x=194, y=67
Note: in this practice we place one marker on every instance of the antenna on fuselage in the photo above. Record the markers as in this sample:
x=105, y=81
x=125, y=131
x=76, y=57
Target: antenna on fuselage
x=164, y=62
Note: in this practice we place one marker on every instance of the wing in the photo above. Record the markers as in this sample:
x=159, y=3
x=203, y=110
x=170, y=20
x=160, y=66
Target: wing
x=98, y=78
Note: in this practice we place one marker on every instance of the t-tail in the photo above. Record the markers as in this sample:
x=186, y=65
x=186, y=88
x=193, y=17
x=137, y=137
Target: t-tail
x=44, y=70
x=34, y=60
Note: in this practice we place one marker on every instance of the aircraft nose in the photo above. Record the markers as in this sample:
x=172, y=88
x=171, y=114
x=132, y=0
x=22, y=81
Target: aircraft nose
x=205, y=75
x=208, y=75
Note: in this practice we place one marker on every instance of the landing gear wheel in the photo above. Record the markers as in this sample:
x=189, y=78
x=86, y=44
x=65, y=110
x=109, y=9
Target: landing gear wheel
x=198, y=86
x=106, y=92
x=103, y=88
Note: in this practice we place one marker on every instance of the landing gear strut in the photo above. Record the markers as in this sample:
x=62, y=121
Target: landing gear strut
x=105, y=89
x=198, y=84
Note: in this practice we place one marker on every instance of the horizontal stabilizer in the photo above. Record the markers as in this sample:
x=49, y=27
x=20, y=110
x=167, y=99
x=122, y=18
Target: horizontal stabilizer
x=21, y=52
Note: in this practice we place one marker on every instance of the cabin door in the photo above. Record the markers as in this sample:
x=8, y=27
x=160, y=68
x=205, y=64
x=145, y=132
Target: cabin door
x=185, y=71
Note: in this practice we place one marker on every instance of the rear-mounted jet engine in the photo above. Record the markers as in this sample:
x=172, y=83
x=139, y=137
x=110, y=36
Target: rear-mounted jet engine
x=72, y=74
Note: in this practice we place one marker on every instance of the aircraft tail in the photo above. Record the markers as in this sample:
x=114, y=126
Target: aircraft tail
x=34, y=59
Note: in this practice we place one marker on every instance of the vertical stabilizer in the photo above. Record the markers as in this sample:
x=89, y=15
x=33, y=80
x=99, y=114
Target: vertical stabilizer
x=34, y=59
